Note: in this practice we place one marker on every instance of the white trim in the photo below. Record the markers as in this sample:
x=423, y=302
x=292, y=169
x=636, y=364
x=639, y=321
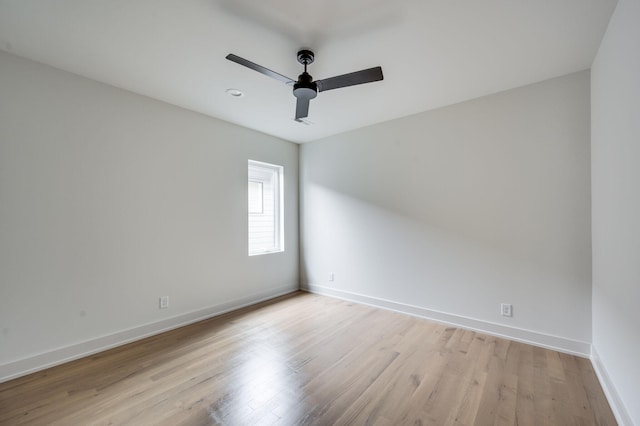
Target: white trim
x=561, y=344
x=616, y=404
x=59, y=356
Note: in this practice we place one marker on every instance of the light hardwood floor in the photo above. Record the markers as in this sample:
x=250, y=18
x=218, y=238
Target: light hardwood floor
x=308, y=359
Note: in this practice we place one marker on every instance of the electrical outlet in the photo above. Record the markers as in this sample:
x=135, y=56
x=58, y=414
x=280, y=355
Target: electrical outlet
x=164, y=302
x=332, y=277
x=506, y=310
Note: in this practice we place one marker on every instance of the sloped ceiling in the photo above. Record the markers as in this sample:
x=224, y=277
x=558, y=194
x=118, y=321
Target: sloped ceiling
x=433, y=53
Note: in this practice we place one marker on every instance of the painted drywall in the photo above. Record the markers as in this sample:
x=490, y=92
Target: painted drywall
x=109, y=200
x=615, y=150
x=460, y=209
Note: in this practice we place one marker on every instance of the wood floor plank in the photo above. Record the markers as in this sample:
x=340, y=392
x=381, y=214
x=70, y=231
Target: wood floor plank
x=525, y=405
x=309, y=359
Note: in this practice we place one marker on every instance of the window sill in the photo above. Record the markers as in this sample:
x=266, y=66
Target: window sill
x=266, y=252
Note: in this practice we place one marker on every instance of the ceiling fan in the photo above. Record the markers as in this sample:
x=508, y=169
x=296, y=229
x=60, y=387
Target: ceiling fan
x=306, y=88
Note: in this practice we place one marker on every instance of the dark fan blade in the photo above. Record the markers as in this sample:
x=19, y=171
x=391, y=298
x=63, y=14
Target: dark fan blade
x=351, y=79
x=259, y=68
x=302, y=108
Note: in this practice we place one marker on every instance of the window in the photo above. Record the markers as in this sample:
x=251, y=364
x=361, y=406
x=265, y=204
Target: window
x=265, y=200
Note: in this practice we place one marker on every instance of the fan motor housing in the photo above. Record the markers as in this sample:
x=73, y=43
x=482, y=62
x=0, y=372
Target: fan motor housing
x=305, y=88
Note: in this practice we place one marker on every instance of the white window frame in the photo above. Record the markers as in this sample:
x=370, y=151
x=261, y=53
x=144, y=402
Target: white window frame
x=271, y=176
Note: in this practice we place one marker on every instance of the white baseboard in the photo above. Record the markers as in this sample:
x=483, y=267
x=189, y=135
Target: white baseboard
x=616, y=404
x=556, y=343
x=59, y=356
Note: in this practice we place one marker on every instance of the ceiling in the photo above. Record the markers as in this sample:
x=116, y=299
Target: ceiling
x=433, y=52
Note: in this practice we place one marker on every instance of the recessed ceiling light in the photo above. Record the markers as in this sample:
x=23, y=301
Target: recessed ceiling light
x=235, y=93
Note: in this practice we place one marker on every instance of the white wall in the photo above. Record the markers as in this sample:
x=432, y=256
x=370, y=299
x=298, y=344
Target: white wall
x=459, y=209
x=616, y=209
x=109, y=200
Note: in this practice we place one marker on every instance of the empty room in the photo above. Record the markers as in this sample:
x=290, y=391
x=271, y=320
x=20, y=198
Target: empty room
x=332, y=213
